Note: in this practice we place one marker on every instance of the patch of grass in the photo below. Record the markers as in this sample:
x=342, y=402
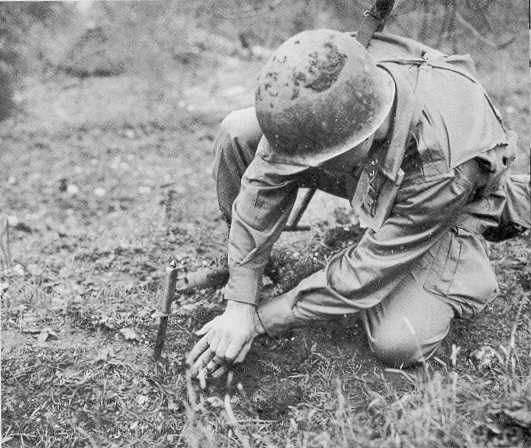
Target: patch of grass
x=108, y=178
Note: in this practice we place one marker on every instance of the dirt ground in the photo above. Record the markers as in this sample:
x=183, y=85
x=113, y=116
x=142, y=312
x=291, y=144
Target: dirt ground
x=108, y=177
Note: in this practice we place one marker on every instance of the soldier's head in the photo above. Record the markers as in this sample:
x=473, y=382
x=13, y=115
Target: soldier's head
x=321, y=95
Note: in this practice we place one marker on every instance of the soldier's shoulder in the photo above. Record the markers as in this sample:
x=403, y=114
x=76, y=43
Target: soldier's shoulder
x=385, y=46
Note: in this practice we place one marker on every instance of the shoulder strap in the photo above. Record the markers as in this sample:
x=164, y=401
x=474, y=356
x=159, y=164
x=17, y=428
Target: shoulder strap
x=404, y=112
x=380, y=180
x=374, y=20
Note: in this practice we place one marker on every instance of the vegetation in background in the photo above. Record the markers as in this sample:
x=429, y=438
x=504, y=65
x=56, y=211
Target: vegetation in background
x=108, y=154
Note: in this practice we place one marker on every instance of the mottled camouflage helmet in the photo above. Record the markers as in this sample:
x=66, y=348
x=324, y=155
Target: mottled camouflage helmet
x=319, y=95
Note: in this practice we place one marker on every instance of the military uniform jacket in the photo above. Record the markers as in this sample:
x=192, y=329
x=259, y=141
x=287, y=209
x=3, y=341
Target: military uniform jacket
x=424, y=196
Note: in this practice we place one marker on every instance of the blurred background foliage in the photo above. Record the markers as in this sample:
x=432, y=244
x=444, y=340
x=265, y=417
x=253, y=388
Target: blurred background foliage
x=106, y=38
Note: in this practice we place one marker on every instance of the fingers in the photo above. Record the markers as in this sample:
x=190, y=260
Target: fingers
x=201, y=377
x=217, y=366
x=211, y=345
x=220, y=345
x=198, y=349
x=243, y=352
x=214, y=364
x=219, y=371
x=202, y=361
x=218, y=363
x=233, y=350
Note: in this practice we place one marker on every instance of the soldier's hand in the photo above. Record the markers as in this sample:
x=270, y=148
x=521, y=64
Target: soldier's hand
x=225, y=339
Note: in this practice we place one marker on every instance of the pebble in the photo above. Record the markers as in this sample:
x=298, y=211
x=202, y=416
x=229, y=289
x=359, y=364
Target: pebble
x=129, y=133
x=18, y=270
x=72, y=189
x=12, y=220
x=34, y=269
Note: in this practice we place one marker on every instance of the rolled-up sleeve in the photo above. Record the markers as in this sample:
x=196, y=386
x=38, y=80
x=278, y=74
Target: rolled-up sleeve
x=268, y=192
x=363, y=275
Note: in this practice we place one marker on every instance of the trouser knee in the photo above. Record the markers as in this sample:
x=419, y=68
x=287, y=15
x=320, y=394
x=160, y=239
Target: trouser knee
x=408, y=326
x=401, y=341
x=398, y=350
x=234, y=148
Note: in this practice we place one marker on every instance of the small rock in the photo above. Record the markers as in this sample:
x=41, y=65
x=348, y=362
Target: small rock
x=215, y=402
x=99, y=192
x=18, y=270
x=72, y=189
x=34, y=269
x=129, y=334
x=485, y=357
x=46, y=334
x=12, y=221
x=142, y=399
x=12, y=180
x=144, y=190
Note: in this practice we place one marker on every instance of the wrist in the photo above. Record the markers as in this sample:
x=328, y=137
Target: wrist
x=240, y=306
x=258, y=325
x=250, y=311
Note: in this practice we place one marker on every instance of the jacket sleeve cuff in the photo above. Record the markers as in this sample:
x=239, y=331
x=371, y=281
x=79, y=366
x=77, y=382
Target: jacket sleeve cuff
x=243, y=285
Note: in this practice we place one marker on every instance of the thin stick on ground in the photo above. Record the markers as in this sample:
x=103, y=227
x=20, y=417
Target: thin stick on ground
x=512, y=339
x=5, y=245
x=231, y=419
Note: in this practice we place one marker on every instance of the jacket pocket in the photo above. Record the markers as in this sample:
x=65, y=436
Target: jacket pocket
x=458, y=270
x=436, y=269
x=474, y=283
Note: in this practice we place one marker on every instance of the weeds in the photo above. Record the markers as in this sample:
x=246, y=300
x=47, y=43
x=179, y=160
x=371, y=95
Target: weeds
x=108, y=178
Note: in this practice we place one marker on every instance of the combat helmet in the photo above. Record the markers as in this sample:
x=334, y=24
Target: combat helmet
x=319, y=95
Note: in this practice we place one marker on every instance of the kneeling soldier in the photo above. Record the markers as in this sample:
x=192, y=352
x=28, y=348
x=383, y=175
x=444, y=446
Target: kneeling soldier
x=411, y=138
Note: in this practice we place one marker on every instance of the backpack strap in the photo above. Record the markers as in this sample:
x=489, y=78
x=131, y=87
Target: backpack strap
x=382, y=176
